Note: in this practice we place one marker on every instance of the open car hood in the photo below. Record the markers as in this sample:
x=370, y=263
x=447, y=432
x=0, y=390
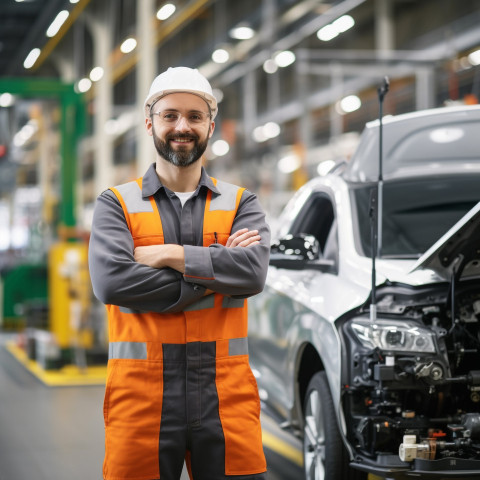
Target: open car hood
x=458, y=250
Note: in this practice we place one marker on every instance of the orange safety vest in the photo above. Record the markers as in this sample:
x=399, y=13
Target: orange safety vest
x=134, y=389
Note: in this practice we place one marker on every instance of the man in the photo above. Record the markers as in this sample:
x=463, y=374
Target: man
x=174, y=255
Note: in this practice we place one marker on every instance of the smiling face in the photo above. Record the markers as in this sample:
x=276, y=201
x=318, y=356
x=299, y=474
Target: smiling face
x=180, y=125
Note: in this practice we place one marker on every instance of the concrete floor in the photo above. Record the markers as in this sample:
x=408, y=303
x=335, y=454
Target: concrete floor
x=56, y=433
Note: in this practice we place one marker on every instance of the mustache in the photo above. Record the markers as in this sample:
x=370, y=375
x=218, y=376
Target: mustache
x=188, y=136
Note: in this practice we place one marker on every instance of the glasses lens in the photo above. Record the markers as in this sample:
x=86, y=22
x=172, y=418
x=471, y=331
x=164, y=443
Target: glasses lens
x=169, y=117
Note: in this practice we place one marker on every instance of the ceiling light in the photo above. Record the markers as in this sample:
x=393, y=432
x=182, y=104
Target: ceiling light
x=57, y=23
x=289, y=164
x=128, y=45
x=343, y=23
x=269, y=66
x=166, y=11
x=31, y=58
x=332, y=30
x=285, y=58
x=271, y=129
x=327, y=33
x=96, y=74
x=74, y=1
x=220, y=148
x=220, y=55
x=84, y=85
x=259, y=135
x=348, y=104
x=6, y=100
x=474, y=57
x=242, y=32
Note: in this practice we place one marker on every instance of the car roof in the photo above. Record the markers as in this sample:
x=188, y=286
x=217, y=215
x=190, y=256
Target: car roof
x=442, y=140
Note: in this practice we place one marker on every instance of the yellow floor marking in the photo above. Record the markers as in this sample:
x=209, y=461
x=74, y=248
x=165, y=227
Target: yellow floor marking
x=282, y=448
x=69, y=375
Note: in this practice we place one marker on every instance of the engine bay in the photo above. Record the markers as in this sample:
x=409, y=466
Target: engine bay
x=411, y=379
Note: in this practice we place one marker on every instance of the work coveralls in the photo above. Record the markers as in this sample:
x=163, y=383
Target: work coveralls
x=179, y=384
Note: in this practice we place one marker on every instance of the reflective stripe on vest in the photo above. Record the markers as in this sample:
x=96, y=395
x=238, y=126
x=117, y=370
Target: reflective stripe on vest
x=138, y=350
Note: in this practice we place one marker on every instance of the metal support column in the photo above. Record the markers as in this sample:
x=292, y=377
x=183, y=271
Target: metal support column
x=146, y=72
x=103, y=152
x=384, y=27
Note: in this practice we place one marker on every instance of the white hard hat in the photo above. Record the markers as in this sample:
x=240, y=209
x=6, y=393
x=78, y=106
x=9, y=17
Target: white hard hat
x=180, y=80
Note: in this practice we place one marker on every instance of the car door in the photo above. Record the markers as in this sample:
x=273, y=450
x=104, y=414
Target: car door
x=275, y=317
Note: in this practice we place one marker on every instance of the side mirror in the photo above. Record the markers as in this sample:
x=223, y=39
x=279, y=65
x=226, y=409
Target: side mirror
x=299, y=252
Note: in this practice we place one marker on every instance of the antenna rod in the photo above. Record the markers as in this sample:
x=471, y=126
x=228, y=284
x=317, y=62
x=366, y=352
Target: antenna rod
x=382, y=91
x=376, y=204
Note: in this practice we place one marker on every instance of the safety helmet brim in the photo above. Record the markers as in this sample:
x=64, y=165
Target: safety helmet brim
x=180, y=80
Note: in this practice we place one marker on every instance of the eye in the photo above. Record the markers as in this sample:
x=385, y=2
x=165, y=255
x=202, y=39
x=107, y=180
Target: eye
x=170, y=117
x=196, y=117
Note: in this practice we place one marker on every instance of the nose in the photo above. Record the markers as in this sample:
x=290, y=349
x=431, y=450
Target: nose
x=182, y=124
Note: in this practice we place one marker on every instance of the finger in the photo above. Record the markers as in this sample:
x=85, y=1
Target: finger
x=249, y=241
x=233, y=236
x=244, y=236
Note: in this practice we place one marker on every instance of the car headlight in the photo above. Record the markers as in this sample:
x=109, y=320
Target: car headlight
x=394, y=336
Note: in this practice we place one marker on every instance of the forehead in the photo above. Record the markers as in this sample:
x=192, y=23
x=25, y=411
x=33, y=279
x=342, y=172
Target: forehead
x=182, y=101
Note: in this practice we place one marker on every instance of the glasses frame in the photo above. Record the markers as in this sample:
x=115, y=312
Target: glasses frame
x=181, y=115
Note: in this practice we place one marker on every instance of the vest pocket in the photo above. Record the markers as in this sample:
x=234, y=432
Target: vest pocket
x=132, y=412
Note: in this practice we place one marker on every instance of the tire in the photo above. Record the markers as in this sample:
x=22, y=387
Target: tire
x=324, y=454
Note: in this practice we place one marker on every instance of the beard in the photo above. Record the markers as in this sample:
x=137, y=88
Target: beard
x=181, y=157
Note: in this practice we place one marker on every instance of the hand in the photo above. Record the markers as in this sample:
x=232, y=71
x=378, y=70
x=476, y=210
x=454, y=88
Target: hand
x=161, y=256
x=243, y=238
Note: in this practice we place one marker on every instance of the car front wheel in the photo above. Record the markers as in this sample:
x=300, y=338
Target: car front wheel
x=323, y=451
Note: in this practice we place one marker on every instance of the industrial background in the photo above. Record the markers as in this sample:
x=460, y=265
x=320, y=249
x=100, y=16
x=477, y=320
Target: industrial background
x=296, y=82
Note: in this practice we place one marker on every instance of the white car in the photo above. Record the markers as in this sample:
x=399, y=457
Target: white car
x=372, y=355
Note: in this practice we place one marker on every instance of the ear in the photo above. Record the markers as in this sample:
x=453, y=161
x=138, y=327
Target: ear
x=148, y=125
x=212, y=128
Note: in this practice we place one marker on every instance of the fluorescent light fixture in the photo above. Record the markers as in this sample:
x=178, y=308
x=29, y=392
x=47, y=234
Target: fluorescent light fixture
x=6, y=100
x=166, y=11
x=128, y=45
x=220, y=148
x=32, y=57
x=343, y=23
x=84, y=85
x=285, y=58
x=474, y=57
x=265, y=132
x=259, y=135
x=332, y=30
x=348, y=104
x=57, y=23
x=289, y=164
x=271, y=129
x=327, y=33
x=242, y=32
x=96, y=74
x=269, y=66
x=220, y=55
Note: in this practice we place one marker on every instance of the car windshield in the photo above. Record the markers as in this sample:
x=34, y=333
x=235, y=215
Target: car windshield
x=416, y=212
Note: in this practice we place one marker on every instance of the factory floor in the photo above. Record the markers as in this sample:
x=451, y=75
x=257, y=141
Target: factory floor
x=56, y=432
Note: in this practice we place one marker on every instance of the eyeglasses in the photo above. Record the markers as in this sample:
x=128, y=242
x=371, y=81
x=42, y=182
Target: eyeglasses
x=172, y=117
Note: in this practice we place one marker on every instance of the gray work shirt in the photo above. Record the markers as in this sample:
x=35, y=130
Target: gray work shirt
x=118, y=279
